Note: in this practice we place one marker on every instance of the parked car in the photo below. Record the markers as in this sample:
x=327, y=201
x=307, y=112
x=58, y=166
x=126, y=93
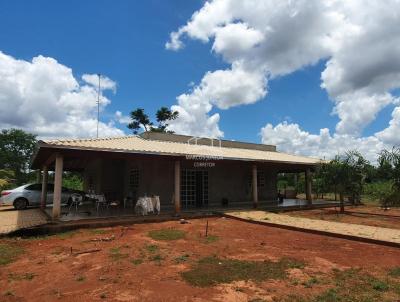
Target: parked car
x=29, y=195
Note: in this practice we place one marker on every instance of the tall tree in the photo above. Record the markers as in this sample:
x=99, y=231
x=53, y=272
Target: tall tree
x=140, y=120
x=163, y=116
x=16, y=149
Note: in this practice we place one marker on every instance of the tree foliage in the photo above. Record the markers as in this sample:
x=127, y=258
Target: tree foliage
x=140, y=120
x=16, y=149
x=345, y=174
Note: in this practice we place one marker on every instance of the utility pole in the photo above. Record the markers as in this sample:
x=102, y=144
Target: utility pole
x=98, y=106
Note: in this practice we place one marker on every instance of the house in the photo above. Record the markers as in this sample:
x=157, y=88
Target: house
x=186, y=172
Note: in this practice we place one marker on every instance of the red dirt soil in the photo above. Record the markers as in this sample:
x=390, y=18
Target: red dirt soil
x=60, y=276
x=365, y=215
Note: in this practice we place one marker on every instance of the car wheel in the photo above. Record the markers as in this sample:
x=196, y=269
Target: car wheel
x=20, y=203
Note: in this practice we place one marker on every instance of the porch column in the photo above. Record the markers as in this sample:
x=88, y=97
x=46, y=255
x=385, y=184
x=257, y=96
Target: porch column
x=254, y=185
x=43, y=197
x=57, y=186
x=177, y=190
x=38, y=176
x=308, y=186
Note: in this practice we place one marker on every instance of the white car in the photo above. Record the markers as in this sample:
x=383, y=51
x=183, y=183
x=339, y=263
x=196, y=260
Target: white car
x=29, y=195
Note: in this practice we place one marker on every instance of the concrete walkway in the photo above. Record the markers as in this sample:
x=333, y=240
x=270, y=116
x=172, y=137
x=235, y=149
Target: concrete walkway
x=12, y=220
x=369, y=233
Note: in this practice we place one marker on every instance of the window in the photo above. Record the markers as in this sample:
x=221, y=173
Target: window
x=34, y=187
x=133, y=182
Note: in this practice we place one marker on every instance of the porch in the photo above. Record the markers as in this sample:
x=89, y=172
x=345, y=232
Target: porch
x=193, y=183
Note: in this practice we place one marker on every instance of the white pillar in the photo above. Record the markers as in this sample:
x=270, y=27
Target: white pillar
x=57, y=186
x=254, y=185
x=308, y=186
x=177, y=190
x=43, y=197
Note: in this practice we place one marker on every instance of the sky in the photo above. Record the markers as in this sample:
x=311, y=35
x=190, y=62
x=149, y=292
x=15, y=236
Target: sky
x=313, y=77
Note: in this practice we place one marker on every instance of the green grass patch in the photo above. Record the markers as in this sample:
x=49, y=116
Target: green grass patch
x=66, y=235
x=151, y=248
x=210, y=271
x=9, y=253
x=98, y=231
x=166, y=234
x=137, y=261
x=310, y=282
x=116, y=255
x=353, y=285
x=395, y=272
x=211, y=239
x=182, y=258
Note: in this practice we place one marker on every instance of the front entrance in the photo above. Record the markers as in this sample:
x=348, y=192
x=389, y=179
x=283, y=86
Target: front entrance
x=194, y=188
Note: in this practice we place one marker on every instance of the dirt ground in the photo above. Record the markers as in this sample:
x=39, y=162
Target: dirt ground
x=365, y=215
x=131, y=266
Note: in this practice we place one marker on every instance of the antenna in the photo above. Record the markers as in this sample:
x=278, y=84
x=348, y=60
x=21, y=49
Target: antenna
x=98, y=105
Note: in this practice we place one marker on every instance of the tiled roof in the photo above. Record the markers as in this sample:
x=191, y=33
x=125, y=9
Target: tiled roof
x=137, y=144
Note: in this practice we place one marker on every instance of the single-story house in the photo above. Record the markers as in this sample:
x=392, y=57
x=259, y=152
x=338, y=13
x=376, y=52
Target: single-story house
x=186, y=172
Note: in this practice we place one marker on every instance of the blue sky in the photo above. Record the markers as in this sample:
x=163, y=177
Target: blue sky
x=125, y=40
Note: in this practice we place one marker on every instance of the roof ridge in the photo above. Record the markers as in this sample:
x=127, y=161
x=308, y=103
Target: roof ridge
x=89, y=139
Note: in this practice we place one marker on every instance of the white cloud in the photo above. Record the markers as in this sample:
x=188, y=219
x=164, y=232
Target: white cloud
x=292, y=139
x=360, y=41
x=390, y=135
x=44, y=97
x=105, y=82
x=122, y=119
x=221, y=88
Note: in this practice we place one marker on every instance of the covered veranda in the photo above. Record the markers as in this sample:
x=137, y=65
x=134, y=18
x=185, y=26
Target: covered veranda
x=162, y=176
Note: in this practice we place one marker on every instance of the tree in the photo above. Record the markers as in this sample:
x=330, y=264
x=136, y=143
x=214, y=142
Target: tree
x=389, y=165
x=140, y=120
x=16, y=149
x=164, y=115
x=346, y=175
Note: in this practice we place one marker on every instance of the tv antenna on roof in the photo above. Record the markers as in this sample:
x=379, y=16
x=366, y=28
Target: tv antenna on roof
x=98, y=106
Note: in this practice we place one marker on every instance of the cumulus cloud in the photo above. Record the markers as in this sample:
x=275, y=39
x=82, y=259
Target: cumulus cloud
x=223, y=89
x=105, y=82
x=292, y=139
x=359, y=40
x=43, y=97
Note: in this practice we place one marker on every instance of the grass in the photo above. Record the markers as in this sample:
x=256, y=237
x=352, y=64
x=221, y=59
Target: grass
x=210, y=271
x=211, y=239
x=353, y=285
x=66, y=235
x=167, y=234
x=17, y=277
x=116, y=255
x=151, y=248
x=80, y=278
x=137, y=261
x=157, y=258
x=9, y=253
x=395, y=272
x=98, y=231
x=310, y=282
x=182, y=258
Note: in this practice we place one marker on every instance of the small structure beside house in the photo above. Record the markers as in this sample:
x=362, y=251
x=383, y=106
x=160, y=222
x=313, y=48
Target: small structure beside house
x=185, y=172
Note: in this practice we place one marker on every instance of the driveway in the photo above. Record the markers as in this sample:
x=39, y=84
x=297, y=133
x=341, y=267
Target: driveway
x=12, y=220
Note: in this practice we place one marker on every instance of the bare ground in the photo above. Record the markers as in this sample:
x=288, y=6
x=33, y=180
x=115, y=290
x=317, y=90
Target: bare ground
x=130, y=266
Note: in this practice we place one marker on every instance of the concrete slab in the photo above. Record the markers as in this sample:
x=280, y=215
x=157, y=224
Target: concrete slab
x=13, y=220
x=338, y=229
